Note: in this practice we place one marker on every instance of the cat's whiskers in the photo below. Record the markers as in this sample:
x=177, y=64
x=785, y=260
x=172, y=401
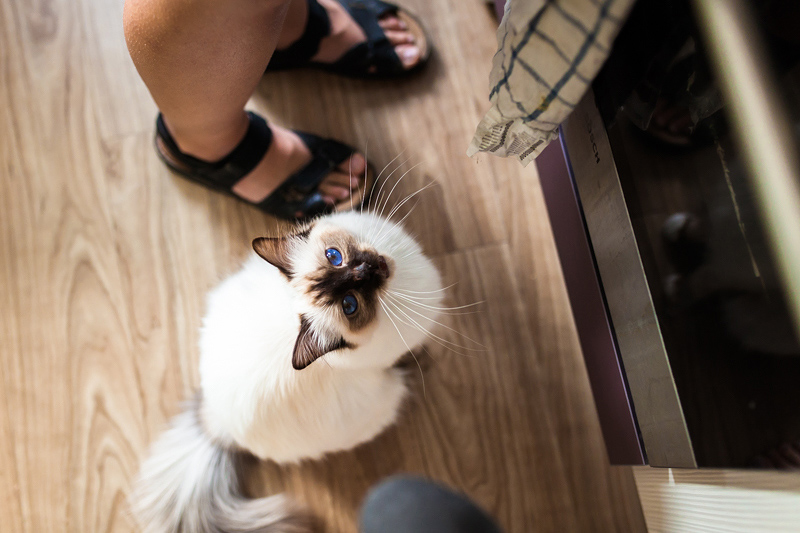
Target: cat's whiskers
x=366, y=171
x=426, y=317
x=373, y=229
x=417, y=298
x=434, y=308
x=393, y=299
x=388, y=196
x=389, y=315
x=409, y=291
x=379, y=197
x=398, y=206
x=409, y=254
x=385, y=180
x=411, y=270
x=350, y=178
x=444, y=312
x=399, y=222
x=408, y=197
x=394, y=250
x=422, y=346
x=435, y=338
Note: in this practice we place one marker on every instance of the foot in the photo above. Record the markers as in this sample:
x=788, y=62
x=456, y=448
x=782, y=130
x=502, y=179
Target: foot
x=286, y=155
x=346, y=33
x=784, y=457
x=405, y=504
x=671, y=123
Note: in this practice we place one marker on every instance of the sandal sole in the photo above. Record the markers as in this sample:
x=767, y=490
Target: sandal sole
x=185, y=172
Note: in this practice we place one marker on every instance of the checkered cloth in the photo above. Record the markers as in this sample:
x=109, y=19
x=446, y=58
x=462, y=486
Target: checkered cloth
x=549, y=51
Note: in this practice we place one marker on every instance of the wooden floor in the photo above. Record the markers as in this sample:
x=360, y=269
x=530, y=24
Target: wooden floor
x=105, y=258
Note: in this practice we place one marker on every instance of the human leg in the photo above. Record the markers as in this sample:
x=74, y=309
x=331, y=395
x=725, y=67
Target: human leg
x=201, y=61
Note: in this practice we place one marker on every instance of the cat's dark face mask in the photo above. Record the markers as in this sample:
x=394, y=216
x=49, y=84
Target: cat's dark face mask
x=350, y=280
x=346, y=280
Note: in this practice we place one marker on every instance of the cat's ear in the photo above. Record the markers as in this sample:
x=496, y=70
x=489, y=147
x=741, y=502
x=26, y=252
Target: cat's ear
x=309, y=347
x=277, y=250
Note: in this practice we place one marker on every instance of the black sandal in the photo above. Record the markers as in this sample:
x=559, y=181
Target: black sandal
x=298, y=194
x=374, y=58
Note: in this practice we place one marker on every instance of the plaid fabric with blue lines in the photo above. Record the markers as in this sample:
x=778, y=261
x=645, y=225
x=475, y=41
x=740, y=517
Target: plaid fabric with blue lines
x=548, y=53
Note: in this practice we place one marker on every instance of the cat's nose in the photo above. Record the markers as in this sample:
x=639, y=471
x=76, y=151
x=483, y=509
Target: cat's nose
x=372, y=267
x=364, y=271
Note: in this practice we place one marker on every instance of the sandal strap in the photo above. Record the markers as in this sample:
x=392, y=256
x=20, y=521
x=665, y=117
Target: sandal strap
x=298, y=192
x=327, y=154
x=377, y=52
x=226, y=172
x=318, y=26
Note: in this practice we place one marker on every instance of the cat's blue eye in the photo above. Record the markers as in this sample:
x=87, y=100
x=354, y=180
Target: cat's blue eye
x=334, y=256
x=349, y=304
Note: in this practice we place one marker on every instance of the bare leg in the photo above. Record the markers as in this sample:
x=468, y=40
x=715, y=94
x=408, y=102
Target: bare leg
x=201, y=61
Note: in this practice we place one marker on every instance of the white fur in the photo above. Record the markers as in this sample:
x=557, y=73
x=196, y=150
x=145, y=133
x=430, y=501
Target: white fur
x=253, y=397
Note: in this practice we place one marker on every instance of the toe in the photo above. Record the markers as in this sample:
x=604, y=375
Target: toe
x=409, y=54
x=339, y=179
x=392, y=23
x=681, y=124
x=335, y=187
x=354, y=166
x=399, y=37
x=345, y=181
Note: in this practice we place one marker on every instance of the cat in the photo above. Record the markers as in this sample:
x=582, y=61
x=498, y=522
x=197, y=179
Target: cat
x=297, y=360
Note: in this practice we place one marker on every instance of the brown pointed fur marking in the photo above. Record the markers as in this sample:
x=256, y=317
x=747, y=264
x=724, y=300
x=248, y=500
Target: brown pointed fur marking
x=277, y=250
x=307, y=349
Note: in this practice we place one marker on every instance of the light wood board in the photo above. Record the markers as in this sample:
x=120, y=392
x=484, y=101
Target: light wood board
x=735, y=501
x=105, y=260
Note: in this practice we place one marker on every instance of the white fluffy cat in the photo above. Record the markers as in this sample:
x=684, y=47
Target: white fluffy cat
x=297, y=356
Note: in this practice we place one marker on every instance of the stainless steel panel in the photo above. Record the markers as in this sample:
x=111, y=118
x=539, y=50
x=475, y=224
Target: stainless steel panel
x=652, y=388
x=600, y=353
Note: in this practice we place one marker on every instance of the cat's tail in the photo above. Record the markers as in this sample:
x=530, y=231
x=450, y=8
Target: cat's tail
x=190, y=484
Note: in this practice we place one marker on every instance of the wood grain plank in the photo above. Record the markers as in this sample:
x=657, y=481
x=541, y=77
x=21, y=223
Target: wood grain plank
x=675, y=500
x=105, y=260
x=558, y=362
